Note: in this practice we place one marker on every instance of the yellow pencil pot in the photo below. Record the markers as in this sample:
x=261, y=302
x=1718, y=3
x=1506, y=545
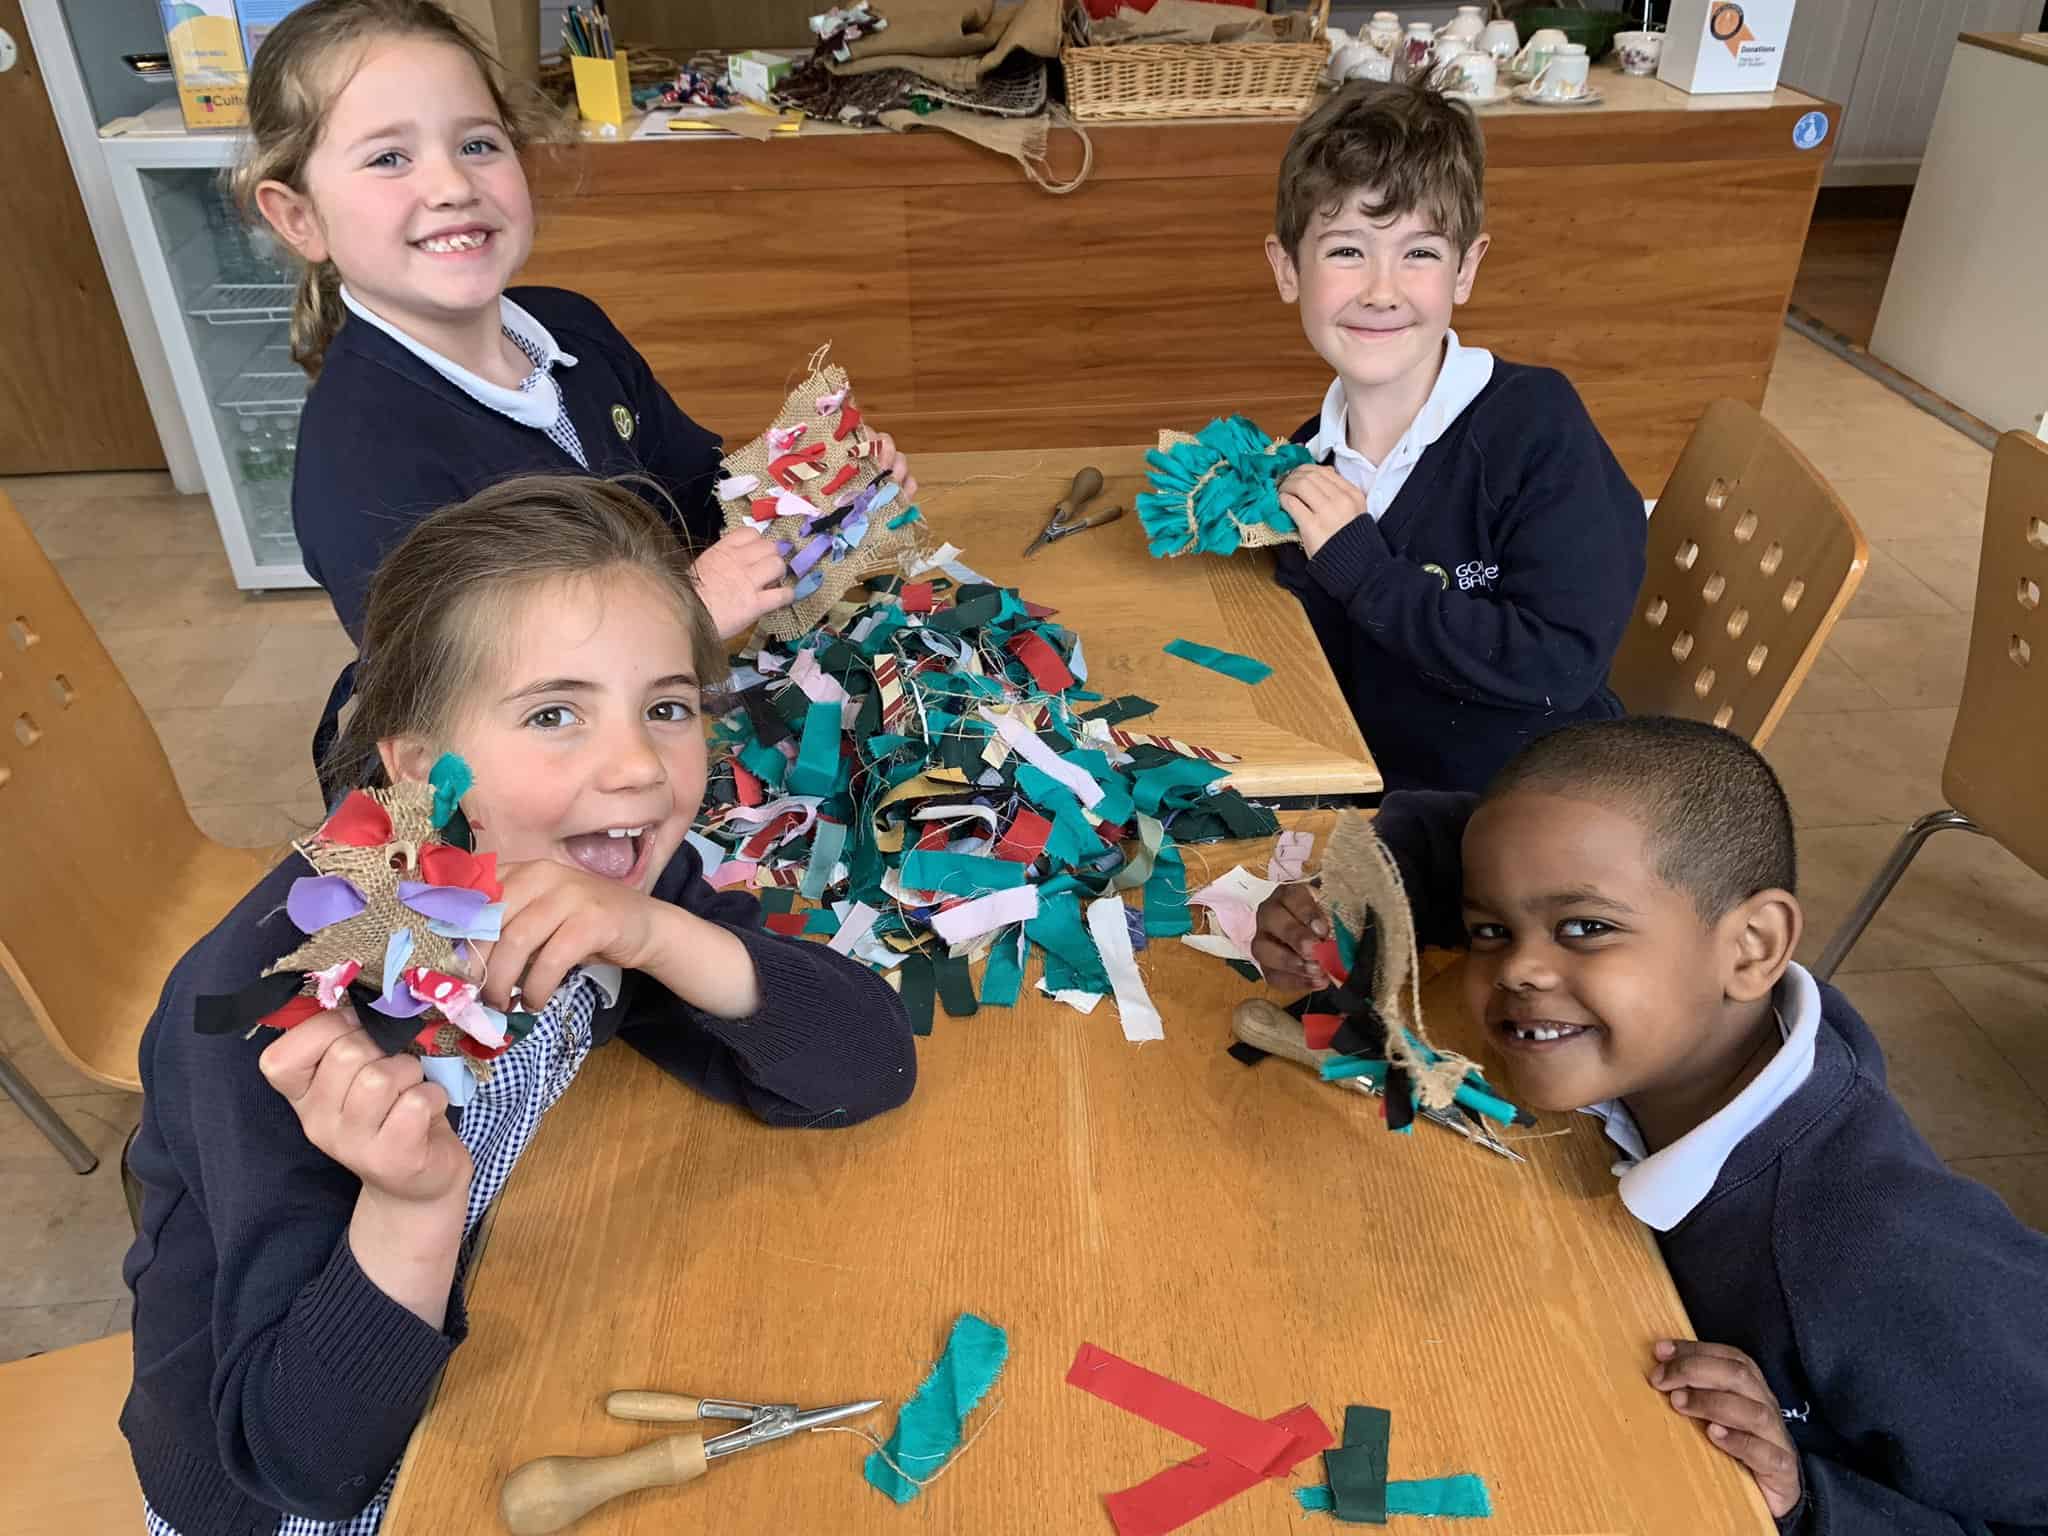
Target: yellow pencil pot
x=604, y=91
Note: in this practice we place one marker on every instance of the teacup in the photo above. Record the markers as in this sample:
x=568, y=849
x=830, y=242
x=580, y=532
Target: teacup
x=1384, y=32
x=1446, y=50
x=1537, y=51
x=1639, y=51
x=1467, y=24
x=1502, y=41
x=1564, y=77
x=1474, y=74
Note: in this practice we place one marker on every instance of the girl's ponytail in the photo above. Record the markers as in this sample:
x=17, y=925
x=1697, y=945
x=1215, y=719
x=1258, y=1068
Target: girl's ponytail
x=317, y=313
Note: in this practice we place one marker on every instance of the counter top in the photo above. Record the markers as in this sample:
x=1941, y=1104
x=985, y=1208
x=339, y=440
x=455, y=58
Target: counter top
x=2032, y=46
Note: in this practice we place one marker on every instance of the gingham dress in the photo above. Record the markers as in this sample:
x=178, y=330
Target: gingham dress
x=496, y=1127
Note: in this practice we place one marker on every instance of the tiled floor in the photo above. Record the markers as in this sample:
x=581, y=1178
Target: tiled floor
x=1953, y=976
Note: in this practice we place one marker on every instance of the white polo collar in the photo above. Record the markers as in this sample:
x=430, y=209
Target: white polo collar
x=536, y=403
x=1465, y=372
x=1662, y=1188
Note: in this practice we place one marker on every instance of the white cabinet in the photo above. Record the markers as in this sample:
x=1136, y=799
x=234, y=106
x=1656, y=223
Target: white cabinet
x=221, y=302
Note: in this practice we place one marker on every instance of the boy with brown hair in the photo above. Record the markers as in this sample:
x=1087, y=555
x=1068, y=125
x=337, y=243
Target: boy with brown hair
x=1471, y=550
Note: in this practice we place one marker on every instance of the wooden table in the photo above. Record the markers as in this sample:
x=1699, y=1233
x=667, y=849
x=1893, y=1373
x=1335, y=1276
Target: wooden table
x=1646, y=246
x=1250, y=1232
x=1294, y=730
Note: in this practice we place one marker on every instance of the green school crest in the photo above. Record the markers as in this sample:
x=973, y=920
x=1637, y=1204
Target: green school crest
x=622, y=421
x=1439, y=573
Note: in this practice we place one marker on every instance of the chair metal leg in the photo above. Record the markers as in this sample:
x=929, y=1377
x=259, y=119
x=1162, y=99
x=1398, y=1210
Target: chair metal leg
x=44, y=1119
x=1873, y=896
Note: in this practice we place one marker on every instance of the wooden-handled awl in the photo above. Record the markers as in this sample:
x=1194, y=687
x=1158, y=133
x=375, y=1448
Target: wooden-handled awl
x=556, y=1491
x=1066, y=517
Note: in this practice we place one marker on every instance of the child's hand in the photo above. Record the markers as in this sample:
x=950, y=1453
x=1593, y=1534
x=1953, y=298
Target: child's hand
x=557, y=918
x=1320, y=501
x=892, y=463
x=1724, y=1387
x=374, y=1114
x=740, y=578
x=1291, y=925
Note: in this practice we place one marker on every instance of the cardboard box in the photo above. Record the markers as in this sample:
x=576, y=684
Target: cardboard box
x=1725, y=45
x=755, y=73
x=205, y=43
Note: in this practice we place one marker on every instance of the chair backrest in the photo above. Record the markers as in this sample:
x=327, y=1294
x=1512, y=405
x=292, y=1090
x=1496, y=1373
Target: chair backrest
x=1993, y=774
x=95, y=840
x=68, y=1466
x=1752, y=557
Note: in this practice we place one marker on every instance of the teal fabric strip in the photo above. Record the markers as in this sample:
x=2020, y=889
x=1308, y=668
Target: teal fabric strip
x=959, y=874
x=1460, y=1497
x=1337, y=1068
x=764, y=763
x=821, y=920
x=1315, y=1498
x=928, y=1429
x=1173, y=782
x=817, y=760
x=1004, y=977
x=1245, y=669
x=1166, y=895
x=827, y=843
x=1072, y=963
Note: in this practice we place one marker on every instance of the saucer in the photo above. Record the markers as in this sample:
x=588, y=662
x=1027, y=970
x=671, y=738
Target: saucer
x=1474, y=99
x=1586, y=98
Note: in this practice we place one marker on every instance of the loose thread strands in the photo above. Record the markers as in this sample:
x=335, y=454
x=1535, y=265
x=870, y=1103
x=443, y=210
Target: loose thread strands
x=944, y=1458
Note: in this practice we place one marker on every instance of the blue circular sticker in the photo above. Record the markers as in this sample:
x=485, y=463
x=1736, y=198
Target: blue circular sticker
x=1811, y=131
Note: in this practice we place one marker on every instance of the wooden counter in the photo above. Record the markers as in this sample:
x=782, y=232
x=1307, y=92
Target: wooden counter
x=1252, y=1232
x=1646, y=246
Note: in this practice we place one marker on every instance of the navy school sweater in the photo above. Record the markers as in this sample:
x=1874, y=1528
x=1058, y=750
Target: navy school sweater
x=1898, y=1311
x=1483, y=609
x=270, y=1374
x=385, y=440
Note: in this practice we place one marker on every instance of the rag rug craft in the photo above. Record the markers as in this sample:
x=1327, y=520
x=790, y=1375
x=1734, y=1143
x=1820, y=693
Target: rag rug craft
x=928, y=768
x=810, y=482
x=1367, y=1025
x=1218, y=491
x=390, y=914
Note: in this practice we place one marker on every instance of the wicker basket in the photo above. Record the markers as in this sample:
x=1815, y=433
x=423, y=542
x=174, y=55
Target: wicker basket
x=1139, y=80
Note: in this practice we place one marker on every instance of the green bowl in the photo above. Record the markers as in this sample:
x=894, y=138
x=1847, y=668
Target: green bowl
x=1596, y=29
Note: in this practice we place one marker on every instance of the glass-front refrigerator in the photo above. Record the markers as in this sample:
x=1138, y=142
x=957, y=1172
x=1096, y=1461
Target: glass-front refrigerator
x=221, y=296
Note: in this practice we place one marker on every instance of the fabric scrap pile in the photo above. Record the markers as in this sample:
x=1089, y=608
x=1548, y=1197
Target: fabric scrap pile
x=811, y=482
x=928, y=767
x=395, y=902
x=1218, y=491
x=1359, y=1493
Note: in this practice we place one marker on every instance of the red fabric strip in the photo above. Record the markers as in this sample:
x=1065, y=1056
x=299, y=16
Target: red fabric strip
x=1038, y=610
x=748, y=787
x=1024, y=839
x=766, y=838
x=1172, y=1498
x=1319, y=1029
x=932, y=837
x=849, y=418
x=1041, y=661
x=782, y=470
x=297, y=1011
x=1252, y=1443
x=1326, y=957
x=844, y=473
x=916, y=597
x=763, y=507
x=359, y=822
x=791, y=923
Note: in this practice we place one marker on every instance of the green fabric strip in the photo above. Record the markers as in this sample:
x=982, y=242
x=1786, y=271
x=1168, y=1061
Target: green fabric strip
x=1071, y=960
x=1358, y=1469
x=928, y=1429
x=776, y=898
x=826, y=845
x=1118, y=710
x=1459, y=1497
x=959, y=874
x=1166, y=893
x=956, y=985
x=919, y=987
x=821, y=920
x=1244, y=668
x=1003, y=977
x=1177, y=781
x=817, y=760
x=764, y=763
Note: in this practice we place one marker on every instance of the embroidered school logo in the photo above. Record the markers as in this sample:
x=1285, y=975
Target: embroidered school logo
x=622, y=421
x=1797, y=1415
x=1473, y=573
x=1439, y=573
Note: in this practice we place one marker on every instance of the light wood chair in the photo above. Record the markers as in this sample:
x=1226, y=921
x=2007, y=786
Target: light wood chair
x=107, y=879
x=68, y=1468
x=1752, y=557
x=1993, y=774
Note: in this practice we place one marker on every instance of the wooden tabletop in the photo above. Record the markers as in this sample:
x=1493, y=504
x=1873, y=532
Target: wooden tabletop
x=1294, y=730
x=1250, y=1232
x=2031, y=46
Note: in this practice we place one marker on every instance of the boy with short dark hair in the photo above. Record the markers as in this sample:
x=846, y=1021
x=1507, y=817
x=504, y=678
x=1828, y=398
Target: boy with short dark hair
x=1880, y=1324
x=1471, y=550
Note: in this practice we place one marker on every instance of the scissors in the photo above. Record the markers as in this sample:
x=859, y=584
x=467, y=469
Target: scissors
x=556, y=1491
x=1066, y=517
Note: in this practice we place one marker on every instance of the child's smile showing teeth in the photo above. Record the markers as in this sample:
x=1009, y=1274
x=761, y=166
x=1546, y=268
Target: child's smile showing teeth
x=455, y=242
x=1540, y=1032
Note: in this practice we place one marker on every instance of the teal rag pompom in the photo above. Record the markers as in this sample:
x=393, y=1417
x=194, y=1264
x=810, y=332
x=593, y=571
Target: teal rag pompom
x=451, y=779
x=1206, y=493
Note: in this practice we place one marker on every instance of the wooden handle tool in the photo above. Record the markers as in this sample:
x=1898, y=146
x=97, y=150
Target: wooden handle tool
x=1086, y=487
x=557, y=1491
x=653, y=1407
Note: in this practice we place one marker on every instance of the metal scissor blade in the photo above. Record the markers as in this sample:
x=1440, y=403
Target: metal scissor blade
x=1045, y=537
x=761, y=1431
x=816, y=1416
